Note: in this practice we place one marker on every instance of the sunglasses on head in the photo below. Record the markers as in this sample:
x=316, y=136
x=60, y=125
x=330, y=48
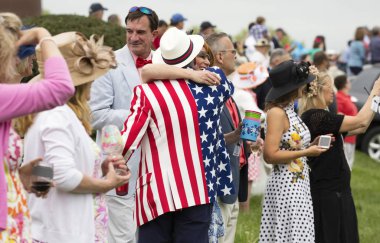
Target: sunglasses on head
x=143, y=10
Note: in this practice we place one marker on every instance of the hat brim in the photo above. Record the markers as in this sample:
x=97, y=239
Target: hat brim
x=198, y=43
x=275, y=93
x=249, y=83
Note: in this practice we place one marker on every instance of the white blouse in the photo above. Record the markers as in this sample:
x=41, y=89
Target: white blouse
x=59, y=138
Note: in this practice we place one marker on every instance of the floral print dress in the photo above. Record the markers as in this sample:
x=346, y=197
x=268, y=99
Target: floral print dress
x=18, y=221
x=287, y=214
x=101, y=214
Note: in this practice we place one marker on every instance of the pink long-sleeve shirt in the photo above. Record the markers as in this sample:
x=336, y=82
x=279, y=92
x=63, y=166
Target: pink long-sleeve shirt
x=22, y=99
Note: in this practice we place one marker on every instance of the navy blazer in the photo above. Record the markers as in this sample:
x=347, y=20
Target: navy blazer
x=239, y=176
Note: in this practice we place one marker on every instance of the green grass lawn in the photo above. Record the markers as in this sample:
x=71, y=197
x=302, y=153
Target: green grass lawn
x=365, y=183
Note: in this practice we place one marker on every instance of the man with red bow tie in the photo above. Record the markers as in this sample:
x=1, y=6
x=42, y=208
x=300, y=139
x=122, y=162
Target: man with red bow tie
x=110, y=102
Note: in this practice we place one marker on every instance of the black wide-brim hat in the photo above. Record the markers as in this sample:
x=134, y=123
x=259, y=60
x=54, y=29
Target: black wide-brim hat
x=287, y=77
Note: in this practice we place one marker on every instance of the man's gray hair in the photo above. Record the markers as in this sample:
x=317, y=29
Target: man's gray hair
x=213, y=41
x=278, y=52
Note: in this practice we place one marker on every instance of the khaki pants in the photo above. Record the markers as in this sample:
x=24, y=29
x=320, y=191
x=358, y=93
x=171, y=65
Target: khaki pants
x=121, y=226
x=230, y=213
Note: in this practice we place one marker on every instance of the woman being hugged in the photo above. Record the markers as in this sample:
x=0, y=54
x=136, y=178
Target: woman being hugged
x=334, y=209
x=21, y=99
x=287, y=214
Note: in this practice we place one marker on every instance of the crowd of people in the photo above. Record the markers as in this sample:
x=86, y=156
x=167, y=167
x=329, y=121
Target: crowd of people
x=178, y=101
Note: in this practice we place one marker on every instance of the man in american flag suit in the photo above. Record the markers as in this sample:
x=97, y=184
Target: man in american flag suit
x=184, y=163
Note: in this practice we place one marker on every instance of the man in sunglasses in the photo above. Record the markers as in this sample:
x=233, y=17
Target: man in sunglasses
x=110, y=101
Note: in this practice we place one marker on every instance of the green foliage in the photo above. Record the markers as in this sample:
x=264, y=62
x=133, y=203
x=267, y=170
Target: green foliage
x=242, y=35
x=248, y=226
x=114, y=36
x=365, y=183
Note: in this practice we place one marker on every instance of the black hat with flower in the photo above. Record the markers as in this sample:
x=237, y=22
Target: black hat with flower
x=287, y=77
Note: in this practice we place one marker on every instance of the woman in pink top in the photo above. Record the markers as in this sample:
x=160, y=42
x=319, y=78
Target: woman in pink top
x=21, y=99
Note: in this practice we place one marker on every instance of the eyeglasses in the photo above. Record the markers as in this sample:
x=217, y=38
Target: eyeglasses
x=143, y=10
x=233, y=51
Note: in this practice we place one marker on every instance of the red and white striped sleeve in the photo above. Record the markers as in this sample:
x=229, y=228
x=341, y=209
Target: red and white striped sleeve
x=137, y=122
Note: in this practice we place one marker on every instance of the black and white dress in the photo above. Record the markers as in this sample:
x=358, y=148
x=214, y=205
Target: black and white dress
x=287, y=214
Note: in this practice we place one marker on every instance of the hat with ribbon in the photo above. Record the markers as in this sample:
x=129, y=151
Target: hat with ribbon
x=287, y=77
x=177, y=48
x=249, y=75
x=86, y=59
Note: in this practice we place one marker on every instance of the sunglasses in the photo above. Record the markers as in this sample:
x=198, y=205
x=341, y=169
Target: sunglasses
x=143, y=10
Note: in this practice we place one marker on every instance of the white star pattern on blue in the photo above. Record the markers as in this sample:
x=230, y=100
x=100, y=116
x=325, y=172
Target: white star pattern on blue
x=226, y=190
x=211, y=148
x=216, y=111
x=207, y=162
x=214, y=88
x=214, y=134
x=210, y=100
x=209, y=124
x=222, y=167
x=202, y=113
x=221, y=97
x=204, y=137
x=197, y=89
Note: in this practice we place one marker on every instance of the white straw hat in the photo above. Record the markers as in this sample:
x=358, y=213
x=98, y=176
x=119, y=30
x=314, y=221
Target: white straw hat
x=177, y=48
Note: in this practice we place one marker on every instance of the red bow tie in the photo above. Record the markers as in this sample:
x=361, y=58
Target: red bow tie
x=141, y=62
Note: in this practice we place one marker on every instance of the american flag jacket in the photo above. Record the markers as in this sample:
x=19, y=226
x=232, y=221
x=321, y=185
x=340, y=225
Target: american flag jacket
x=184, y=161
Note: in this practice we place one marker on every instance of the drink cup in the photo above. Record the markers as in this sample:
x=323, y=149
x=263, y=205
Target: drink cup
x=251, y=126
x=112, y=144
x=122, y=190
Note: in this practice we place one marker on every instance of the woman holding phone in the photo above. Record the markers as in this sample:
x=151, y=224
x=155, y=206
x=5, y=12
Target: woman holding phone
x=334, y=210
x=287, y=214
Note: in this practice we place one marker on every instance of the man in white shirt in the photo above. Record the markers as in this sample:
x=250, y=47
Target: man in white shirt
x=110, y=102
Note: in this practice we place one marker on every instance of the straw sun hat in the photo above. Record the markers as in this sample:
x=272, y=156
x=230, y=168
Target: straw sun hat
x=86, y=59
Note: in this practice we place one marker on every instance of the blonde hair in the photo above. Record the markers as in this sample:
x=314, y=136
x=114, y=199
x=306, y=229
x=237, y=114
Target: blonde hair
x=282, y=101
x=10, y=26
x=315, y=100
x=22, y=124
x=23, y=67
x=78, y=103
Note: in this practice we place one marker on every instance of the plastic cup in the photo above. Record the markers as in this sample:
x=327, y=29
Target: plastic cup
x=251, y=126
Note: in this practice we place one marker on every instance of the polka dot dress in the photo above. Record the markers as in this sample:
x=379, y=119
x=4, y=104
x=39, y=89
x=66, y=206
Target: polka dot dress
x=287, y=214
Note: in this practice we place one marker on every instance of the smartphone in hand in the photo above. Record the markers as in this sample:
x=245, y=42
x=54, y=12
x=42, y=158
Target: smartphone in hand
x=324, y=141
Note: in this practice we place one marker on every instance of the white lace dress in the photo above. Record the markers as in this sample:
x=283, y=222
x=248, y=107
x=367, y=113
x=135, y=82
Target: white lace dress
x=287, y=214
